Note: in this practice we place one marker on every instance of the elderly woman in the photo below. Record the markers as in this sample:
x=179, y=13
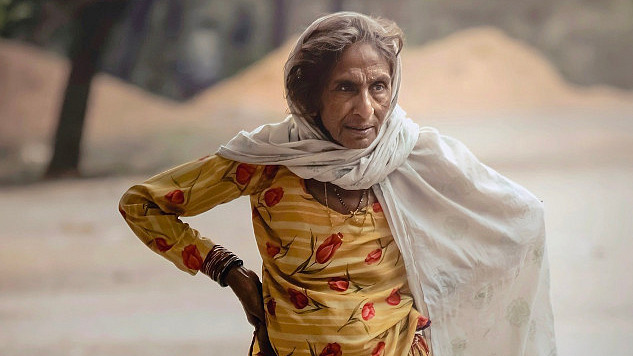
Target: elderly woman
x=369, y=227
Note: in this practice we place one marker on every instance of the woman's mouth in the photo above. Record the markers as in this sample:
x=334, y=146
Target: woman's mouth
x=362, y=130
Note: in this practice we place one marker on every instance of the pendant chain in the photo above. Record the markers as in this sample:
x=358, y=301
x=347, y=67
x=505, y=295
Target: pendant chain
x=363, y=196
x=353, y=214
x=327, y=207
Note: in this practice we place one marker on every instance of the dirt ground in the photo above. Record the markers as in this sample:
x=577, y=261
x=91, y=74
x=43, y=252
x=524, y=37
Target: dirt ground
x=76, y=281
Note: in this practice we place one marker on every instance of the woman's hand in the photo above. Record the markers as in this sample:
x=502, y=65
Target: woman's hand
x=248, y=289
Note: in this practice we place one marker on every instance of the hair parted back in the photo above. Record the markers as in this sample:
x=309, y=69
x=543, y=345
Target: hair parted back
x=320, y=47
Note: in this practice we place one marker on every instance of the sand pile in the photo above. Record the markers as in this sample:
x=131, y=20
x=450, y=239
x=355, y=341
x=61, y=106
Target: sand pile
x=31, y=89
x=32, y=83
x=482, y=69
x=252, y=97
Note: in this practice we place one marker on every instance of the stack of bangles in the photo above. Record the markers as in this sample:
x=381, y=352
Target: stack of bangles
x=219, y=262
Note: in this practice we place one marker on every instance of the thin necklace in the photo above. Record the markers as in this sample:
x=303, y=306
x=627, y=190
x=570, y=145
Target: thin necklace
x=340, y=199
x=327, y=207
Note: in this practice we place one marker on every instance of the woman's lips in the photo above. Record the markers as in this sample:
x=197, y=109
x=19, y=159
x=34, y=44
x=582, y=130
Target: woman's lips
x=360, y=129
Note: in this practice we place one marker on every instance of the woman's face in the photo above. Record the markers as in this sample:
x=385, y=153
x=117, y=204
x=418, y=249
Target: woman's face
x=356, y=96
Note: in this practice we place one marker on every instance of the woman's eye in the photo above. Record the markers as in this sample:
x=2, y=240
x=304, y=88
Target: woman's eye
x=379, y=87
x=345, y=87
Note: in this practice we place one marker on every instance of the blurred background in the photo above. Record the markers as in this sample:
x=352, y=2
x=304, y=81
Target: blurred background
x=96, y=96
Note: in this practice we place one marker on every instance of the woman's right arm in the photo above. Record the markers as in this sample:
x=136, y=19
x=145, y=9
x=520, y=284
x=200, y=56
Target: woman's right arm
x=152, y=209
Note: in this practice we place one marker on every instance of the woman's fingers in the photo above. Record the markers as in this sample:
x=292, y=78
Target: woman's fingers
x=264, y=343
x=248, y=289
x=256, y=303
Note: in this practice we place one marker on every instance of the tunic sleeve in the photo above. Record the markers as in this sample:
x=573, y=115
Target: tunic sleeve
x=152, y=209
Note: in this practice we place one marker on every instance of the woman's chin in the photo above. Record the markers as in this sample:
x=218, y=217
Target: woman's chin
x=357, y=143
x=358, y=138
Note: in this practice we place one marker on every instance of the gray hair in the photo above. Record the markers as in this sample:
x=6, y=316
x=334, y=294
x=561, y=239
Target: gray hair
x=320, y=47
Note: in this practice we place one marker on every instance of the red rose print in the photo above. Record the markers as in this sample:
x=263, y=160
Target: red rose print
x=244, y=173
x=394, y=297
x=175, y=196
x=270, y=171
x=273, y=196
x=271, y=305
x=331, y=350
x=373, y=256
x=162, y=245
x=191, y=257
x=325, y=252
x=297, y=298
x=423, y=323
x=368, y=311
x=420, y=342
x=338, y=284
x=424, y=344
x=378, y=349
x=272, y=249
x=377, y=207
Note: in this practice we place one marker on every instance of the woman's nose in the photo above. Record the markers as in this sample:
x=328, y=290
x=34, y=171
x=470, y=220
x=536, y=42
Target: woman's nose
x=363, y=106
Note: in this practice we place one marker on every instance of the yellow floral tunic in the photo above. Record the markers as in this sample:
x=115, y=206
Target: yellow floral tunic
x=333, y=284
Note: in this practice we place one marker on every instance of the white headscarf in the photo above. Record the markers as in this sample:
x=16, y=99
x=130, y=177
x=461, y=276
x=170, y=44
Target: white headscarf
x=473, y=242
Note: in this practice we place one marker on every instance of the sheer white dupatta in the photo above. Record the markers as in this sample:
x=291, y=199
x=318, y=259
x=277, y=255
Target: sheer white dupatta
x=473, y=241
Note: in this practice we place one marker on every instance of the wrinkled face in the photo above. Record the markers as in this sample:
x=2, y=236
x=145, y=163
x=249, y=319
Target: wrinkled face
x=356, y=96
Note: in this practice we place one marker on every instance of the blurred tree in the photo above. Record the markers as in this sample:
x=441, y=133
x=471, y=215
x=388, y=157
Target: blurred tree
x=93, y=22
x=242, y=26
x=280, y=19
x=15, y=15
x=138, y=18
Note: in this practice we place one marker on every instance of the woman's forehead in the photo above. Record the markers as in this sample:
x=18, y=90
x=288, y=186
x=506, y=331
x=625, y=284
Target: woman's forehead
x=361, y=60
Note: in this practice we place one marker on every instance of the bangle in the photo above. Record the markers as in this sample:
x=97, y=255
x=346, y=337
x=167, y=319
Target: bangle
x=236, y=263
x=218, y=262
